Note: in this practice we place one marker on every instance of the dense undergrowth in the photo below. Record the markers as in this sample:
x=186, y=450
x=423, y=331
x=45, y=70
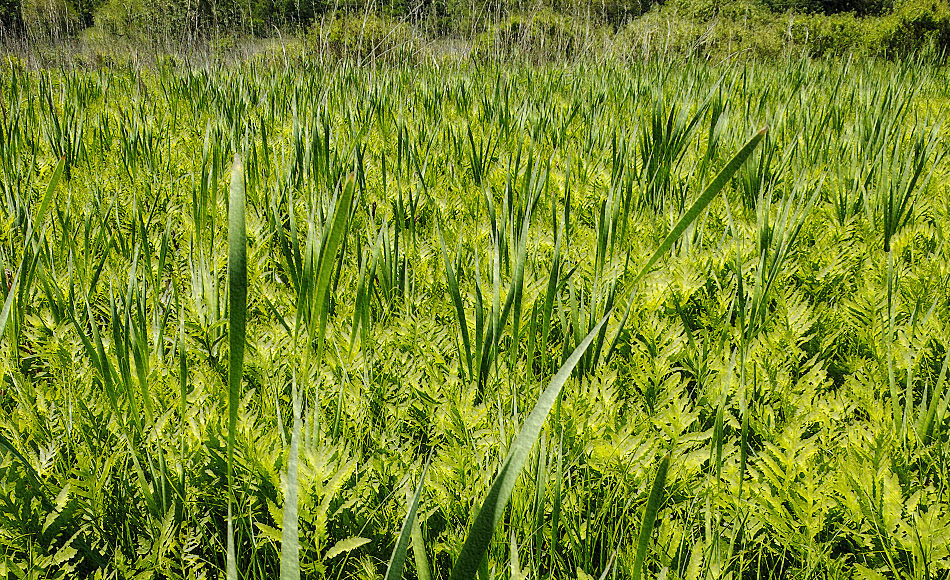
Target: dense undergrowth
x=789, y=353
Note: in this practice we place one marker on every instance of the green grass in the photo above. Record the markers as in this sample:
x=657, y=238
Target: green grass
x=560, y=321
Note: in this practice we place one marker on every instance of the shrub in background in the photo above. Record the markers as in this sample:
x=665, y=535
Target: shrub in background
x=49, y=19
x=828, y=34
x=122, y=18
x=617, y=12
x=666, y=30
x=186, y=19
x=856, y=7
x=452, y=17
x=11, y=20
x=916, y=25
x=536, y=29
x=614, y=13
x=747, y=26
x=539, y=35
x=367, y=36
x=715, y=30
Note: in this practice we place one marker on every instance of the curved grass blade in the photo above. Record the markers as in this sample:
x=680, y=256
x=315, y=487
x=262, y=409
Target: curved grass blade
x=327, y=260
x=8, y=303
x=38, y=221
x=53, y=182
x=492, y=510
x=230, y=563
x=237, y=318
x=649, y=516
x=398, y=560
x=688, y=218
x=928, y=422
x=423, y=568
x=290, y=540
x=701, y=202
x=457, y=301
x=41, y=486
x=237, y=297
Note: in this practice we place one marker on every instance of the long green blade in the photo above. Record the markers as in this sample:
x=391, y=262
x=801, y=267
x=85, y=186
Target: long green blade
x=398, y=560
x=231, y=560
x=290, y=539
x=38, y=222
x=701, y=202
x=457, y=301
x=688, y=218
x=649, y=516
x=8, y=303
x=327, y=257
x=423, y=569
x=44, y=205
x=237, y=318
x=927, y=424
x=492, y=510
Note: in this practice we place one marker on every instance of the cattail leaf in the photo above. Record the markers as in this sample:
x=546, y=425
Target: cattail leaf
x=237, y=295
x=290, y=539
x=327, y=258
x=398, y=560
x=237, y=318
x=928, y=420
x=701, y=202
x=48, y=196
x=423, y=569
x=649, y=516
x=684, y=222
x=230, y=560
x=493, y=508
x=36, y=222
x=457, y=301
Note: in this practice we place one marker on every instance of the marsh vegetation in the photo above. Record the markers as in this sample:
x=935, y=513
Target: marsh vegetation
x=627, y=330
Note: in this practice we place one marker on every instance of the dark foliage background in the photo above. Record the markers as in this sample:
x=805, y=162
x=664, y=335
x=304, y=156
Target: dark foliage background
x=765, y=27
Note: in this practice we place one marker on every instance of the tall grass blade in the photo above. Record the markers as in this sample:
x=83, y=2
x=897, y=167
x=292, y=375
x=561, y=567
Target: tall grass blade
x=37, y=221
x=688, y=218
x=290, y=540
x=701, y=202
x=8, y=303
x=479, y=536
x=398, y=560
x=237, y=318
x=327, y=259
x=53, y=182
x=423, y=569
x=928, y=422
x=230, y=560
x=649, y=516
x=457, y=301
